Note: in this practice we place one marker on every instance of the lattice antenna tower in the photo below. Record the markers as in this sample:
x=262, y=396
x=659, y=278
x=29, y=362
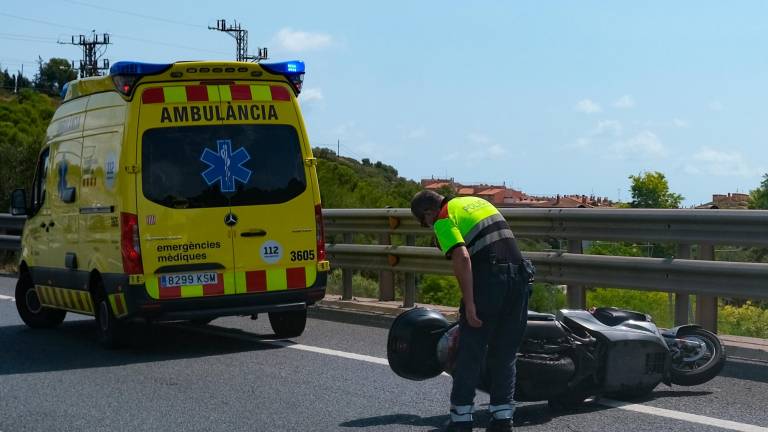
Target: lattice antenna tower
x=93, y=48
x=241, y=38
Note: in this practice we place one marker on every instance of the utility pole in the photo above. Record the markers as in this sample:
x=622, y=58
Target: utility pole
x=241, y=38
x=89, y=65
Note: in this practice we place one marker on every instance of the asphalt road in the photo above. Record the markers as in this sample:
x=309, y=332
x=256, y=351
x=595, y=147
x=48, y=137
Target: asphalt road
x=230, y=376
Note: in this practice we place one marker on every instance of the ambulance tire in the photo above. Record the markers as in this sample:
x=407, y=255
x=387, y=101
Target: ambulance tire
x=31, y=311
x=110, y=331
x=288, y=324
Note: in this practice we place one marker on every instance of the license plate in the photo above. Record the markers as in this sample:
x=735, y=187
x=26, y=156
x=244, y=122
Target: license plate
x=185, y=279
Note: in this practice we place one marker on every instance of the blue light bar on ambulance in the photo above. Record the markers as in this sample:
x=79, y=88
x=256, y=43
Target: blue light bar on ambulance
x=137, y=68
x=293, y=70
x=125, y=74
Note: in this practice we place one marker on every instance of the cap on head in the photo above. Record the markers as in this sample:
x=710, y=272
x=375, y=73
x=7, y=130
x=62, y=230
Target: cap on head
x=425, y=200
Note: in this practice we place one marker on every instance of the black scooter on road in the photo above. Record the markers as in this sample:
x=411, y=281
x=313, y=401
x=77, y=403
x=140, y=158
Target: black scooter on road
x=569, y=357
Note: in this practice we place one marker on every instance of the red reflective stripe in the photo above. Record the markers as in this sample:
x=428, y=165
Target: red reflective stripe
x=256, y=281
x=198, y=93
x=170, y=292
x=280, y=93
x=296, y=277
x=214, y=289
x=153, y=95
x=240, y=92
x=119, y=304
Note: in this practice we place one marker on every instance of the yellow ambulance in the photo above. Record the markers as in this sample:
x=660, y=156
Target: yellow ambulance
x=168, y=192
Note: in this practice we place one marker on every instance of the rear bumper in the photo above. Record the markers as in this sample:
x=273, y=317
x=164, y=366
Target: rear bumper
x=141, y=306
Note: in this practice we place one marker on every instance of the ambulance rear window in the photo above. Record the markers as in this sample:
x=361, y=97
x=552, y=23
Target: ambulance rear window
x=220, y=166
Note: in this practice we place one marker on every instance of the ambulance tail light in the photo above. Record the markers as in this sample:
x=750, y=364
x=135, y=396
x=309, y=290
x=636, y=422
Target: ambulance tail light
x=292, y=70
x=129, y=244
x=126, y=74
x=320, y=233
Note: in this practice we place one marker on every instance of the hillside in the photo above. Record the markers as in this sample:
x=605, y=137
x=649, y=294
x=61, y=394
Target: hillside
x=348, y=183
x=23, y=121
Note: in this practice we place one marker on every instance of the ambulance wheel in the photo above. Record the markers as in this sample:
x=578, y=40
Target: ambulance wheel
x=110, y=331
x=31, y=310
x=288, y=324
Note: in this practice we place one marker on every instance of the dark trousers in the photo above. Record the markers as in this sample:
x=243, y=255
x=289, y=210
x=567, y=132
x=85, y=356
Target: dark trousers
x=501, y=300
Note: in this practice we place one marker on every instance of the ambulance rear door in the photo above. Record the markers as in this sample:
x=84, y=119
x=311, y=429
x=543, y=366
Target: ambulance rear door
x=184, y=216
x=275, y=237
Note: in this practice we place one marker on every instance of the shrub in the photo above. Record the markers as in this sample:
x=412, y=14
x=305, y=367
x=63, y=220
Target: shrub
x=656, y=304
x=361, y=285
x=439, y=290
x=546, y=298
x=748, y=320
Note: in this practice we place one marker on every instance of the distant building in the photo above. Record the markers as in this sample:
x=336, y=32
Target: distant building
x=736, y=201
x=502, y=196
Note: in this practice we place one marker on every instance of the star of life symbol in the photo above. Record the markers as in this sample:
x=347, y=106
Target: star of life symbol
x=226, y=166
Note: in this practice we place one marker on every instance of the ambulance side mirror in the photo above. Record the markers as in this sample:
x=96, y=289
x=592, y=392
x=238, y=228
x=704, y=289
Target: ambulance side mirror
x=19, y=202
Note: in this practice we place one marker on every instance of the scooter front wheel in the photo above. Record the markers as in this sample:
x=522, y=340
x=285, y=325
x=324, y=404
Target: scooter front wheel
x=697, y=366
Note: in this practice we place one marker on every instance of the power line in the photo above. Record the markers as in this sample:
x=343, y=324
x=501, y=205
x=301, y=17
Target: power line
x=32, y=38
x=93, y=49
x=167, y=44
x=25, y=36
x=42, y=22
x=241, y=38
x=149, y=17
x=20, y=39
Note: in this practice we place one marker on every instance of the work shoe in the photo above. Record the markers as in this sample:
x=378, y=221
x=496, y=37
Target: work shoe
x=459, y=427
x=500, y=425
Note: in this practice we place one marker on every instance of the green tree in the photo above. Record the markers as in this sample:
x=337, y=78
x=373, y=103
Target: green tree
x=52, y=75
x=758, y=198
x=23, y=122
x=651, y=190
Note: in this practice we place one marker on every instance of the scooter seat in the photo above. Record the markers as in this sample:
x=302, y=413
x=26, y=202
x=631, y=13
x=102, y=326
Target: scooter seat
x=536, y=316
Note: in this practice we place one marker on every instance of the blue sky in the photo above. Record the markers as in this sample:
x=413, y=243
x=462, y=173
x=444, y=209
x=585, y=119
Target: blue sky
x=549, y=97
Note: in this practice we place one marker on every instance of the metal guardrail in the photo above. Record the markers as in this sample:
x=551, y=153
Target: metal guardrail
x=731, y=227
x=10, y=223
x=704, y=277
x=742, y=280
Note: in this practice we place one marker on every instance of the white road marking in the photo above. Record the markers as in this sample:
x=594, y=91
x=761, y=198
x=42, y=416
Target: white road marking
x=5, y=297
x=326, y=351
x=644, y=409
x=692, y=418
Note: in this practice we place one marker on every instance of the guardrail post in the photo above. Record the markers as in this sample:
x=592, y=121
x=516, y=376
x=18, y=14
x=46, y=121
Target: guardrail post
x=386, y=277
x=682, y=299
x=346, y=275
x=706, y=305
x=576, y=295
x=409, y=297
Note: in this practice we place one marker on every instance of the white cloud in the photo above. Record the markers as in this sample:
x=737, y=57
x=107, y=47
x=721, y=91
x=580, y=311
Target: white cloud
x=715, y=106
x=295, y=40
x=477, y=138
x=608, y=127
x=588, y=106
x=417, y=133
x=625, y=102
x=496, y=150
x=643, y=145
x=721, y=164
x=311, y=94
x=680, y=123
x=580, y=144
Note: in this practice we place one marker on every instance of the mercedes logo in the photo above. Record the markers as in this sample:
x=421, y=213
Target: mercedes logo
x=230, y=219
